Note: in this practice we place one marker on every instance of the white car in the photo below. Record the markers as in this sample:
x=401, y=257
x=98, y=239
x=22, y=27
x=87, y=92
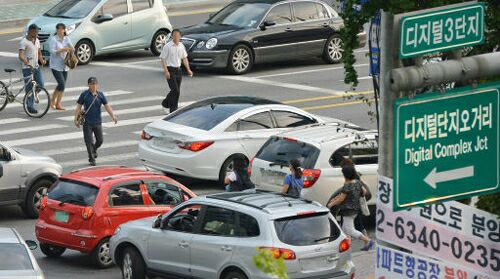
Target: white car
x=16, y=259
x=201, y=139
x=320, y=148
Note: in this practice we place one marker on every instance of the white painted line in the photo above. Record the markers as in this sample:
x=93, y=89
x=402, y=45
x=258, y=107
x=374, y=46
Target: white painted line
x=308, y=71
x=100, y=160
x=45, y=139
x=136, y=100
x=130, y=122
x=128, y=66
x=31, y=129
x=82, y=148
x=359, y=78
x=361, y=51
x=12, y=120
x=9, y=54
x=157, y=60
x=299, y=87
x=15, y=39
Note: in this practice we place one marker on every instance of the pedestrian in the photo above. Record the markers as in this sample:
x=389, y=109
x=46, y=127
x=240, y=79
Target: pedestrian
x=30, y=55
x=60, y=46
x=294, y=182
x=348, y=201
x=173, y=54
x=238, y=179
x=91, y=100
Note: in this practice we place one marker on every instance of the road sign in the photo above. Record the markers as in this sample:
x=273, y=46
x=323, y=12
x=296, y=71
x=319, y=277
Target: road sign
x=441, y=30
x=446, y=146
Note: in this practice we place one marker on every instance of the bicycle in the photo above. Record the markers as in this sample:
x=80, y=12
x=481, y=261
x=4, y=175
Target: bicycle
x=41, y=98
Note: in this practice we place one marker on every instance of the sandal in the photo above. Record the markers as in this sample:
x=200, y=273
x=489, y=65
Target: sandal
x=368, y=246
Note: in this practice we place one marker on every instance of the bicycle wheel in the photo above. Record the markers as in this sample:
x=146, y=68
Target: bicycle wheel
x=41, y=102
x=4, y=96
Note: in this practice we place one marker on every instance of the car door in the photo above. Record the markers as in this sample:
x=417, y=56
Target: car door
x=116, y=33
x=254, y=129
x=126, y=203
x=162, y=196
x=312, y=27
x=275, y=42
x=169, y=247
x=10, y=176
x=213, y=245
x=142, y=31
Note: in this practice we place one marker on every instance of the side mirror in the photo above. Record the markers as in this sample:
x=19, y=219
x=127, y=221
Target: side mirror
x=157, y=222
x=31, y=244
x=104, y=17
x=266, y=24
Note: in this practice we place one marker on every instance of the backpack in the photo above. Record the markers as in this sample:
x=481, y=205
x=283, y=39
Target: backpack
x=242, y=182
x=293, y=189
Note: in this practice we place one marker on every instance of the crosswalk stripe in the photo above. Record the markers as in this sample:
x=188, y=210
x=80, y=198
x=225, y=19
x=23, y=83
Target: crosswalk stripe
x=130, y=122
x=31, y=129
x=45, y=139
x=12, y=120
x=100, y=160
x=82, y=148
x=121, y=112
x=136, y=100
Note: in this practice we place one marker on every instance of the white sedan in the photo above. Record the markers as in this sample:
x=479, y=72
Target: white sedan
x=201, y=139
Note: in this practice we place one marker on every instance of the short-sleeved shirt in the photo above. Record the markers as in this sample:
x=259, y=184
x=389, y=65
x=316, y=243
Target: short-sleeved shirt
x=173, y=54
x=351, y=205
x=30, y=51
x=57, y=59
x=93, y=115
x=295, y=185
x=232, y=176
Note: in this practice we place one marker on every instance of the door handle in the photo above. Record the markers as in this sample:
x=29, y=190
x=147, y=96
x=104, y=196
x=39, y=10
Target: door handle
x=288, y=29
x=226, y=248
x=326, y=25
x=183, y=244
x=246, y=137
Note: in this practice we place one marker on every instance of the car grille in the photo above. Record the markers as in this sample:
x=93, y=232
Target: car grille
x=43, y=37
x=188, y=43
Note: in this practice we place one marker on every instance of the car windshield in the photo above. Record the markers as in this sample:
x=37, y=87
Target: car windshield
x=73, y=192
x=72, y=8
x=283, y=150
x=307, y=230
x=240, y=14
x=205, y=117
x=13, y=256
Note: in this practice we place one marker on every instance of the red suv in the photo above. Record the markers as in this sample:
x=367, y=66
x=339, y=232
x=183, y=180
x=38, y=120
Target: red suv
x=83, y=208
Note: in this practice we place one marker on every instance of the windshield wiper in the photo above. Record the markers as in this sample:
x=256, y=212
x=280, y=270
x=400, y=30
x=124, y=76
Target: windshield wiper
x=325, y=238
x=73, y=201
x=279, y=163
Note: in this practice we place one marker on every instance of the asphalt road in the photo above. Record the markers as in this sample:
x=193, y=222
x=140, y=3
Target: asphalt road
x=135, y=87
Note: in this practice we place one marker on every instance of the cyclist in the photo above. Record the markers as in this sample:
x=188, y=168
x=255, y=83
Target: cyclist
x=30, y=54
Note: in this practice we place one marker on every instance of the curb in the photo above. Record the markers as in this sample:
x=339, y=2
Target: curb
x=174, y=10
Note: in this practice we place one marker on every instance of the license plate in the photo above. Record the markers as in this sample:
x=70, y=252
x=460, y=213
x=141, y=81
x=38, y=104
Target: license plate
x=165, y=143
x=62, y=216
x=273, y=177
x=318, y=263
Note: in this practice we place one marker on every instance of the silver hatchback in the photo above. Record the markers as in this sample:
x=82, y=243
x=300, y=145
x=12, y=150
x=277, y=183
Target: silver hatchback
x=16, y=259
x=216, y=237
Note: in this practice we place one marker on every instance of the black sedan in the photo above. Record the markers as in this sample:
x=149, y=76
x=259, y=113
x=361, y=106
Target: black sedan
x=246, y=32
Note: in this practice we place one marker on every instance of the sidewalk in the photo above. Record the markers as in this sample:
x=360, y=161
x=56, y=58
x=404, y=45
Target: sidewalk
x=365, y=264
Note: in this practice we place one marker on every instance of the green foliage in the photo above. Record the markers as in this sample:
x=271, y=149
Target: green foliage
x=266, y=262
x=490, y=203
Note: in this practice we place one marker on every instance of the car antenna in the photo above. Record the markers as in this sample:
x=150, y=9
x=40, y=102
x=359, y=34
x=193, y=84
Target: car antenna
x=287, y=201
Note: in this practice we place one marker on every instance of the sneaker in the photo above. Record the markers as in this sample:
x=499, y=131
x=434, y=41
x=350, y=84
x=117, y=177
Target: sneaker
x=92, y=163
x=34, y=111
x=368, y=246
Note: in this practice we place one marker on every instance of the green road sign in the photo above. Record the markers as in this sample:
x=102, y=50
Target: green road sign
x=442, y=30
x=446, y=146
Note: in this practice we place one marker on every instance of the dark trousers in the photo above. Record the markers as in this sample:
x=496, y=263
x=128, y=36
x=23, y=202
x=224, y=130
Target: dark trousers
x=174, y=83
x=89, y=131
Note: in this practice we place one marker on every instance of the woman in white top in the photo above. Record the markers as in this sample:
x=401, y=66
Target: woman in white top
x=60, y=45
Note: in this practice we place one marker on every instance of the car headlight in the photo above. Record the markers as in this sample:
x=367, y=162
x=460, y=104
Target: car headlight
x=71, y=28
x=211, y=43
x=200, y=44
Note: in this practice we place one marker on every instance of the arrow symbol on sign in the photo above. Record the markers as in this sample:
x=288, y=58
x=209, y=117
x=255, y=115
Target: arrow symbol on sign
x=435, y=177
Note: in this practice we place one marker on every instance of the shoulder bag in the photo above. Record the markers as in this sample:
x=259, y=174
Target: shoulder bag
x=80, y=118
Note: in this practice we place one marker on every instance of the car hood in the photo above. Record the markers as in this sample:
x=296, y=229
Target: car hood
x=30, y=154
x=48, y=24
x=141, y=223
x=205, y=31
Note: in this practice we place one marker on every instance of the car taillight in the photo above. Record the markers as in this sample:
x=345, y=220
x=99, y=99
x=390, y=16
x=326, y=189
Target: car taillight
x=146, y=136
x=287, y=254
x=43, y=203
x=345, y=245
x=310, y=177
x=250, y=166
x=195, y=146
x=87, y=213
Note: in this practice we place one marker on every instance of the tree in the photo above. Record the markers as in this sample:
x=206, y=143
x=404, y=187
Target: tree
x=266, y=261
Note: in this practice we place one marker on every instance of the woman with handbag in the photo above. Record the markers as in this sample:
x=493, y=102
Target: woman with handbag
x=294, y=182
x=349, y=203
x=60, y=48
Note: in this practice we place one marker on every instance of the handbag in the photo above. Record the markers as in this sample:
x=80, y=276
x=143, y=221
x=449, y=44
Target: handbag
x=71, y=60
x=364, y=206
x=80, y=118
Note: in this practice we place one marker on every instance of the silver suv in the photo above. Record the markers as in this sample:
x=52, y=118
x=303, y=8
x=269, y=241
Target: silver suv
x=25, y=176
x=217, y=236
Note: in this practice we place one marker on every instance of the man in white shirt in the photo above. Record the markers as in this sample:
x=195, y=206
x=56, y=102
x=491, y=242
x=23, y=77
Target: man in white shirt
x=30, y=54
x=172, y=55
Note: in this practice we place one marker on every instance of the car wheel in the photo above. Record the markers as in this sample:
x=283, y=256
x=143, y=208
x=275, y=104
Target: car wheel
x=34, y=197
x=334, y=50
x=132, y=265
x=52, y=251
x=84, y=51
x=100, y=256
x=240, y=60
x=159, y=40
x=235, y=275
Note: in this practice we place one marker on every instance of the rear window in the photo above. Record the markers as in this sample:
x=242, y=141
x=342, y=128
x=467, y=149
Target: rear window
x=205, y=117
x=74, y=193
x=14, y=257
x=282, y=151
x=307, y=229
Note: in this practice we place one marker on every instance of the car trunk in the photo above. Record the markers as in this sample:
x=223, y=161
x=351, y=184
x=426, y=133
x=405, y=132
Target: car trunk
x=166, y=136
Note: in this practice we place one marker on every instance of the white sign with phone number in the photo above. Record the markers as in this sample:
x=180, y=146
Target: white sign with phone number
x=451, y=232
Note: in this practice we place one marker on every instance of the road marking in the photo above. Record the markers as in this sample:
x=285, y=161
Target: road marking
x=157, y=60
x=359, y=78
x=121, y=112
x=31, y=129
x=9, y=54
x=83, y=148
x=130, y=122
x=333, y=105
x=128, y=66
x=294, y=86
x=12, y=120
x=45, y=139
x=308, y=71
x=15, y=39
x=346, y=95
x=104, y=159
x=195, y=12
x=13, y=31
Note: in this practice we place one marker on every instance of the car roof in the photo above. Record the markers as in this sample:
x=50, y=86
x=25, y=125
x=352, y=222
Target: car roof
x=97, y=175
x=233, y=100
x=9, y=235
x=273, y=1
x=277, y=205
